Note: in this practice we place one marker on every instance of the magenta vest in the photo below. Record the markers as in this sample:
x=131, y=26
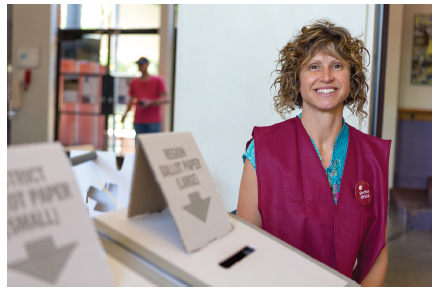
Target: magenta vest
x=296, y=202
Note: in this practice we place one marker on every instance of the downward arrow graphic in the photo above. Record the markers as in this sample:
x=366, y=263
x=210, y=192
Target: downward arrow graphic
x=44, y=261
x=198, y=207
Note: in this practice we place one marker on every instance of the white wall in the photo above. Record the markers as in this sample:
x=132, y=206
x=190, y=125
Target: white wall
x=35, y=26
x=391, y=92
x=225, y=55
x=412, y=96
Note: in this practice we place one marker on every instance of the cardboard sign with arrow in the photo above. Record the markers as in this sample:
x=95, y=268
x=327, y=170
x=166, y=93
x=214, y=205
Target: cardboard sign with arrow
x=170, y=172
x=51, y=240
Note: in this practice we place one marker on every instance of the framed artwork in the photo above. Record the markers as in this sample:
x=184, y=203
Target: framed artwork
x=422, y=50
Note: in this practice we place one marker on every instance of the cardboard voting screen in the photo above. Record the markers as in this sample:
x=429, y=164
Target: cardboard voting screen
x=51, y=241
x=170, y=171
x=103, y=171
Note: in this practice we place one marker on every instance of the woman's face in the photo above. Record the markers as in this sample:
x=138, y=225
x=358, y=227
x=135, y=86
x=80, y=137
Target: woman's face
x=324, y=83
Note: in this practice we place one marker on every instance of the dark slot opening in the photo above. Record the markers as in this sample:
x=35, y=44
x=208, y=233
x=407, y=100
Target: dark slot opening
x=229, y=262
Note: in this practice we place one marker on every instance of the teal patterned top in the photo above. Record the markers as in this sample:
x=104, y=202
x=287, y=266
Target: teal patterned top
x=335, y=170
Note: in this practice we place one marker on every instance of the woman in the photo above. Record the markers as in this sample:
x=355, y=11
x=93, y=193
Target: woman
x=314, y=181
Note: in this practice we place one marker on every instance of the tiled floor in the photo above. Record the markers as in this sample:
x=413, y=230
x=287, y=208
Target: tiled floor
x=410, y=256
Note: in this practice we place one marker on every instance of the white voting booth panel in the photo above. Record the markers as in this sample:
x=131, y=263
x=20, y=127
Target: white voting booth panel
x=173, y=193
x=51, y=240
x=103, y=169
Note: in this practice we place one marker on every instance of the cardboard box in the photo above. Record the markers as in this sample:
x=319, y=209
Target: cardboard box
x=273, y=262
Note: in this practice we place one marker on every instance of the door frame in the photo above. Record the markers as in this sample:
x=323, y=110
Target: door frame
x=73, y=34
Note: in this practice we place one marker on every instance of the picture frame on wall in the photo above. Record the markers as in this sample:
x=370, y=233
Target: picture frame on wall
x=421, y=72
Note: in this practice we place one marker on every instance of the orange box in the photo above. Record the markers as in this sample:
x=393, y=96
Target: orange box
x=102, y=69
x=87, y=66
x=67, y=65
x=66, y=129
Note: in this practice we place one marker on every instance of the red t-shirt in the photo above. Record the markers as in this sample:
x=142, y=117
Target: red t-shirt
x=149, y=90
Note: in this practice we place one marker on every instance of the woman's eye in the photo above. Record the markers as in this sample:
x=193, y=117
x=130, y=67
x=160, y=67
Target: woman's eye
x=313, y=67
x=338, y=66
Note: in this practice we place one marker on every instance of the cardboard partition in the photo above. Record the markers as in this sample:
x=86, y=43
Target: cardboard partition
x=171, y=172
x=103, y=171
x=51, y=241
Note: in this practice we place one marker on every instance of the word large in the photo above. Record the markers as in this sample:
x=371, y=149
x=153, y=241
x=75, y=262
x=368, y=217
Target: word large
x=188, y=181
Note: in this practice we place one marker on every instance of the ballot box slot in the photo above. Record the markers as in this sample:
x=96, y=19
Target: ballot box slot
x=238, y=256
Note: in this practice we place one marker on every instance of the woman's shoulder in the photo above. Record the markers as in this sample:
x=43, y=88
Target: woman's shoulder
x=275, y=128
x=367, y=137
x=366, y=140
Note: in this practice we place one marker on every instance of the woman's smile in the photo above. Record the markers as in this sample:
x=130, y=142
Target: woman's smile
x=326, y=91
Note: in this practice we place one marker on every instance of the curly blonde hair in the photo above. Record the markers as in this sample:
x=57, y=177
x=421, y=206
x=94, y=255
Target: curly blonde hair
x=335, y=41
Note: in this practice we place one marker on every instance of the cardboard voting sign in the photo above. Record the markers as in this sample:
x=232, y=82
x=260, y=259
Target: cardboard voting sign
x=170, y=172
x=103, y=171
x=51, y=241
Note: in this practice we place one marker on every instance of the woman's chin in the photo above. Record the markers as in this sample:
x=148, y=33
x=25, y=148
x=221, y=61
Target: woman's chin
x=328, y=108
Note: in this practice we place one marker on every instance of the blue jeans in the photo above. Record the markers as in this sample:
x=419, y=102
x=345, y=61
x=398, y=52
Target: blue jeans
x=147, y=127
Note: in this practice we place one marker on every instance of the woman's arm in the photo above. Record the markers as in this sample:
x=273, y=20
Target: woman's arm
x=377, y=273
x=248, y=196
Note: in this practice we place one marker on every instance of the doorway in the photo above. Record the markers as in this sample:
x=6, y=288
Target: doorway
x=95, y=67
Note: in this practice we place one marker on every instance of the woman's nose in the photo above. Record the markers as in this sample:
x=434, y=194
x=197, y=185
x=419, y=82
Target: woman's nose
x=326, y=75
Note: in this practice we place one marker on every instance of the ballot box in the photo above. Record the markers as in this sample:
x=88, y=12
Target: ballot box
x=177, y=223
x=248, y=256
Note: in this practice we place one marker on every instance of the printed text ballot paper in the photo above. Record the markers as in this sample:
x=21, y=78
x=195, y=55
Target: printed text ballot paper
x=51, y=241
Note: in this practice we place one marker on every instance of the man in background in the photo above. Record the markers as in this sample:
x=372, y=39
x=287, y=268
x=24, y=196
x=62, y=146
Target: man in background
x=148, y=93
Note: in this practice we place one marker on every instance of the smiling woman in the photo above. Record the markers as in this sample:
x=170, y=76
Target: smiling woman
x=313, y=169
x=323, y=38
